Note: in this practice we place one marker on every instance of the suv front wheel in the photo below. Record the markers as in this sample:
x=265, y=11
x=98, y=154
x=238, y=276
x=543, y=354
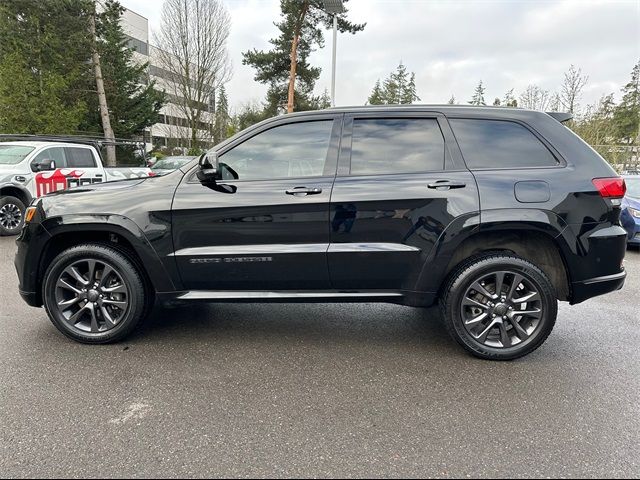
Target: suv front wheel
x=94, y=294
x=499, y=306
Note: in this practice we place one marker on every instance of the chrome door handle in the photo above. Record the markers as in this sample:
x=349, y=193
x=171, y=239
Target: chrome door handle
x=302, y=191
x=446, y=185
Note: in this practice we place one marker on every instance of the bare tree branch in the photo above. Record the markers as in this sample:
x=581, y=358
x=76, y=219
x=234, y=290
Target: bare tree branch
x=192, y=49
x=535, y=98
x=572, y=87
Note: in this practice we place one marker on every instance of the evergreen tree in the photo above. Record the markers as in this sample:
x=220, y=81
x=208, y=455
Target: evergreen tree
x=597, y=128
x=398, y=88
x=509, y=99
x=222, y=120
x=44, y=67
x=134, y=103
x=496, y=102
x=377, y=95
x=452, y=100
x=302, y=21
x=324, y=100
x=478, y=96
x=409, y=94
x=627, y=113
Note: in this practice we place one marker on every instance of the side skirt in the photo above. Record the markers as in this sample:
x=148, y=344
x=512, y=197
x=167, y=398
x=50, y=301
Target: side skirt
x=310, y=296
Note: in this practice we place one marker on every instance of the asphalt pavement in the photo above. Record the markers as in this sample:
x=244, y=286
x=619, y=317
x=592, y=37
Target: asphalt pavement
x=298, y=390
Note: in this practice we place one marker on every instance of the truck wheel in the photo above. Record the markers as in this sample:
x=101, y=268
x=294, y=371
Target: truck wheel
x=499, y=306
x=11, y=215
x=94, y=294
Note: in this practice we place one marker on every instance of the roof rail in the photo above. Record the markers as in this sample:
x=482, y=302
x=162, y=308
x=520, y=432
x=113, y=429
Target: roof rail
x=561, y=116
x=80, y=139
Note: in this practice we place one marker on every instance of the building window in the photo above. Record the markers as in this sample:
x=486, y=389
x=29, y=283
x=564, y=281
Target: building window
x=138, y=45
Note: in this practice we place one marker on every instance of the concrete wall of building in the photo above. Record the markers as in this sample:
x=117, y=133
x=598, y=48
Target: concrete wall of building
x=171, y=130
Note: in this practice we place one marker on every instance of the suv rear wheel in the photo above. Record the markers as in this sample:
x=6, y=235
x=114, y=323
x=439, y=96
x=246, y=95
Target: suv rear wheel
x=11, y=215
x=94, y=294
x=499, y=306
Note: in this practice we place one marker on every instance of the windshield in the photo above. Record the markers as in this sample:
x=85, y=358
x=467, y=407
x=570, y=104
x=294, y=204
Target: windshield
x=633, y=187
x=13, y=154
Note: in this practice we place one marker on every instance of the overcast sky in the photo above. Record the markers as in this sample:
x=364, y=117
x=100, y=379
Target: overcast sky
x=451, y=45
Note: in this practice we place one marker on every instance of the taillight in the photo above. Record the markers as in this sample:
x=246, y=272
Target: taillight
x=614, y=187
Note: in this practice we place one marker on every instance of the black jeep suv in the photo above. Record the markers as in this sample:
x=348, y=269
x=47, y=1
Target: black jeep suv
x=495, y=213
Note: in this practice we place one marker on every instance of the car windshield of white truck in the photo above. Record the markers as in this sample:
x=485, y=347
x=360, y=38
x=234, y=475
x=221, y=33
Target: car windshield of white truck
x=13, y=154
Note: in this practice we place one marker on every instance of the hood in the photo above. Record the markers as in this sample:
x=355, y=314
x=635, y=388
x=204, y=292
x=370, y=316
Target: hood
x=14, y=169
x=101, y=187
x=131, y=198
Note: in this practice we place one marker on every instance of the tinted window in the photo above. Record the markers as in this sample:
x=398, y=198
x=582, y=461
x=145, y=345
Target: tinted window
x=292, y=150
x=500, y=144
x=396, y=145
x=53, y=153
x=80, y=158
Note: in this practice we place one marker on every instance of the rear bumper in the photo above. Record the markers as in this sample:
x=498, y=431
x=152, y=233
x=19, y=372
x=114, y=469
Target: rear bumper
x=598, y=267
x=593, y=287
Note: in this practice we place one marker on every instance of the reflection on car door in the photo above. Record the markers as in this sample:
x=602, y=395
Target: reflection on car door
x=272, y=232
x=397, y=189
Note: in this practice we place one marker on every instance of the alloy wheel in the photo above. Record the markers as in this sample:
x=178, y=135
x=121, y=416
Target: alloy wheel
x=10, y=216
x=502, y=309
x=92, y=296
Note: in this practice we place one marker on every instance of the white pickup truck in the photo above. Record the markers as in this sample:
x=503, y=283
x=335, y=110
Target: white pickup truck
x=31, y=168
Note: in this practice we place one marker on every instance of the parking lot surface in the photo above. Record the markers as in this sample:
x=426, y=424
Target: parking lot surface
x=318, y=390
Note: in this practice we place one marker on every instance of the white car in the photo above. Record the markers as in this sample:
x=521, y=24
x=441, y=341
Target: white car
x=31, y=169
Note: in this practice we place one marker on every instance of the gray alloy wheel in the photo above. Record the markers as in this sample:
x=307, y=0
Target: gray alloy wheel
x=11, y=215
x=95, y=293
x=92, y=296
x=501, y=309
x=499, y=306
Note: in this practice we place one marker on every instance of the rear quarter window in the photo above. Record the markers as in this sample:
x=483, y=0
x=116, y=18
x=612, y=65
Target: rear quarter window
x=500, y=144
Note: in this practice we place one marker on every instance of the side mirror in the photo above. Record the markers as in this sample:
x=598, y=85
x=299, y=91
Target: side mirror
x=44, y=165
x=208, y=168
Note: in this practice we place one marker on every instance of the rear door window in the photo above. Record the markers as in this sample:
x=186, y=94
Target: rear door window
x=80, y=157
x=500, y=144
x=396, y=145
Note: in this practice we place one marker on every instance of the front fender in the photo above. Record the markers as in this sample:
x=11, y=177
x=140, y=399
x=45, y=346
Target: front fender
x=18, y=186
x=120, y=225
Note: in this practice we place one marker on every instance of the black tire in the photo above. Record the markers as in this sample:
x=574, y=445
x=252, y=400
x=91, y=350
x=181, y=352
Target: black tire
x=125, y=278
x=505, y=341
x=11, y=216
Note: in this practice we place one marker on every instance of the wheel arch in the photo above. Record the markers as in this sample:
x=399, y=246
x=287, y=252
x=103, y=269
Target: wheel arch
x=539, y=243
x=117, y=232
x=17, y=191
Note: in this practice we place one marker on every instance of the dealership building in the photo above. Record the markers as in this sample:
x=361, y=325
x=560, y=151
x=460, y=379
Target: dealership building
x=172, y=130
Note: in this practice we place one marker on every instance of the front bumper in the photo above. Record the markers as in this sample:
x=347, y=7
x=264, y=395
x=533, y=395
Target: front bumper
x=31, y=244
x=634, y=235
x=632, y=225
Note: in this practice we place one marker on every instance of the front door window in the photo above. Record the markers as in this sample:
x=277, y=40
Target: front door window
x=294, y=150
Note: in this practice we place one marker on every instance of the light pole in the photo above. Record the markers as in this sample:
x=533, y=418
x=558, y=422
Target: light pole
x=334, y=7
